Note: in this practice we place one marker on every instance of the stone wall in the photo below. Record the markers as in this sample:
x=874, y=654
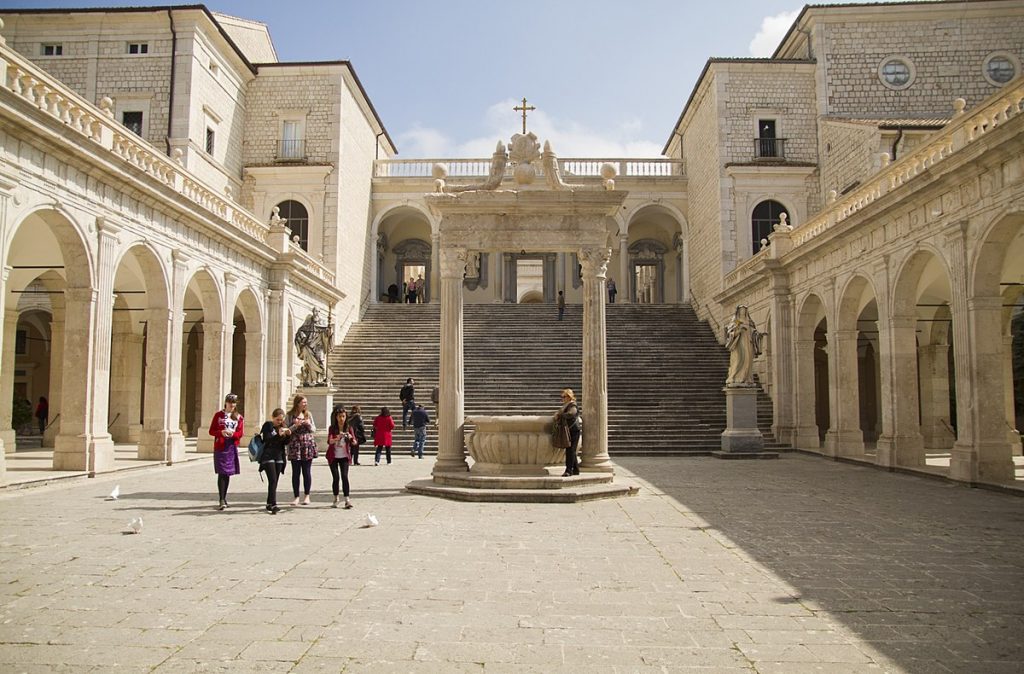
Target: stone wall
x=947, y=54
x=848, y=154
x=309, y=93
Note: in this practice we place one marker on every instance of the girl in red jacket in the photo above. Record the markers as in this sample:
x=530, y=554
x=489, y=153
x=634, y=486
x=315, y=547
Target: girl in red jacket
x=226, y=429
x=382, y=427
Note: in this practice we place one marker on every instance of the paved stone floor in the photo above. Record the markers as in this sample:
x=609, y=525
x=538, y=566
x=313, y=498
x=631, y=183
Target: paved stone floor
x=790, y=566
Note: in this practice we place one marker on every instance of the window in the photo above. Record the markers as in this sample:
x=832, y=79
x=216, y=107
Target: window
x=765, y=216
x=132, y=121
x=297, y=218
x=138, y=47
x=896, y=72
x=768, y=144
x=210, y=138
x=53, y=50
x=292, y=143
x=21, y=342
x=999, y=68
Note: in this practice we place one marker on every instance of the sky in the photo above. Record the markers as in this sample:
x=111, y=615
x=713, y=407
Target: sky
x=608, y=79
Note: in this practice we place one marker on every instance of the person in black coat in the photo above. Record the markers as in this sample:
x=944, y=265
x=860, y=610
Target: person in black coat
x=275, y=436
x=355, y=422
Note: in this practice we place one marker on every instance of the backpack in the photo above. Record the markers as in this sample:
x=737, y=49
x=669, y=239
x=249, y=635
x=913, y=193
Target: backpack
x=256, y=448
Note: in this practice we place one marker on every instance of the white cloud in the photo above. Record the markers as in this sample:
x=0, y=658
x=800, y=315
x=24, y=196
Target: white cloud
x=773, y=29
x=567, y=137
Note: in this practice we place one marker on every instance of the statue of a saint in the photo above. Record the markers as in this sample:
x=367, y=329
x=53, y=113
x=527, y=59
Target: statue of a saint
x=744, y=344
x=313, y=342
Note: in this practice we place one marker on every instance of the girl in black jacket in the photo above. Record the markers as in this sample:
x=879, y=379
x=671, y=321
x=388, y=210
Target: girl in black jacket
x=272, y=462
x=355, y=422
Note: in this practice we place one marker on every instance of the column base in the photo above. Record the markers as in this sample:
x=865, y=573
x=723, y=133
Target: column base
x=72, y=452
x=444, y=467
x=989, y=462
x=605, y=467
x=807, y=438
x=905, y=451
x=785, y=434
x=8, y=440
x=845, y=444
x=162, y=445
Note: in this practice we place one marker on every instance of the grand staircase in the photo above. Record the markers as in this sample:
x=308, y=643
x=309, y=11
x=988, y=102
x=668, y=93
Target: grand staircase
x=665, y=370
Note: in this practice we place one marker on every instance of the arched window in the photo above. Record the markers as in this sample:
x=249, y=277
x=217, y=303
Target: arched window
x=765, y=216
x=298, y=220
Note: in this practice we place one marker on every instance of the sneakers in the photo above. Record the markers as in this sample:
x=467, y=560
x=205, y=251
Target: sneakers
x=221, y=505
x=336, y=499
x=348, y=504
x=272, y=509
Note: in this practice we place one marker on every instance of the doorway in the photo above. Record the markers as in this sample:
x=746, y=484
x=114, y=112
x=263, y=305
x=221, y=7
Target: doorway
x=645, y=280
x=414, y=275
x=529, y=281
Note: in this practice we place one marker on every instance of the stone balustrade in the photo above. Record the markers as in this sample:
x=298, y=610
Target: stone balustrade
x=480, y=168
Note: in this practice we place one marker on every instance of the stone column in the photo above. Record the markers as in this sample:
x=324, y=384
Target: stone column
x=433, y=289
x=125, y=382
x=255, y=380
x=845, y=437
x=451, y=415
x=277, y=348
x=782, y=362
x=10, y=331
x=982, y=452
x=1012, y=432
x=83, y=443
x=175, y=353
x=933, y=365
x=595, y=362
x=161, y=439
x=900, y=443
x=56, y=376
x=215, y=336
x=624, y=283
x=806, y=418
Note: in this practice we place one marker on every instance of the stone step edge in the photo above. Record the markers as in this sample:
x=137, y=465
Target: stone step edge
x=471, y=481
x=427, y=487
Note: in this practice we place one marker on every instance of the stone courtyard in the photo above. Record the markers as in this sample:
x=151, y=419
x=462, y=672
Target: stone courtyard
x=796, y=565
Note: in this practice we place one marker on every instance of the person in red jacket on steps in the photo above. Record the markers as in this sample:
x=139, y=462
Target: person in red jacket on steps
x=382, y=427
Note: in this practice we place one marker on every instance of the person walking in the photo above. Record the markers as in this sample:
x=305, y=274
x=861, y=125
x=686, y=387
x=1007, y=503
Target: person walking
x=382, y=427
x=612, y=291
x=275, y=436
x=226, y=429
x=408, y=397
x=301, y=446
x=42, y=413
x=567, y=427
x=339, y=453
x=420, y=419
x=561, y=304
x=355, y=422
x=410, y=291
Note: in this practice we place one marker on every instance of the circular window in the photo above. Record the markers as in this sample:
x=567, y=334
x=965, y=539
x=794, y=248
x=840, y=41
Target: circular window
x=896, y=72
x=1000, y=68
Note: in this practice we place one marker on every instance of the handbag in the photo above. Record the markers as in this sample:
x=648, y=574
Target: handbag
x=560, y=438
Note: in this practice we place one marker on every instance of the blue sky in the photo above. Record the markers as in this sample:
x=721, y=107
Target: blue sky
x=609, y=79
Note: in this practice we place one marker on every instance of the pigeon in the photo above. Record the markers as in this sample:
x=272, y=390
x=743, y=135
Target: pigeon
x=370, y=521
x=136, y=525
x=115, y=493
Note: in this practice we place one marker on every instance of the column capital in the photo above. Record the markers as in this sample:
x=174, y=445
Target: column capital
x=107, y=227
x=594, y=261
x=453, y=262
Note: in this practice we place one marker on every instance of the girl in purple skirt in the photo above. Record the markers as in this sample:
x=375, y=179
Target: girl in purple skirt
x=226, y=430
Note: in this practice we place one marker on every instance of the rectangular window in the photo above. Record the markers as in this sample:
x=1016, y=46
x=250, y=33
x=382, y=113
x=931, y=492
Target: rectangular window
x=291, y=140
x=769, y=145
x=53, y=50
x=132, y=121
x=210, y=136
x=138, y=47
x=21, y=342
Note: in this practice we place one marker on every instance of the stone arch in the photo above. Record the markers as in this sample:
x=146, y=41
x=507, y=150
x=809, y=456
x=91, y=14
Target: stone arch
x=390, y=228
x=203, y=367
x=812, y=367
x=858, y=367
x=666, y=271
x=248, y=376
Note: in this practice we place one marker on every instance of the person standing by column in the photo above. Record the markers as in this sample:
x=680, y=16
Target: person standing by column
x=275, y=437
x=339, y=453
x=355, y=422
x=382, y=427
x=561, y=304
x=420, y=419
x=568, y=416
x=301, y=446
x=226, y=429
x=612, y=291
x=408, y=397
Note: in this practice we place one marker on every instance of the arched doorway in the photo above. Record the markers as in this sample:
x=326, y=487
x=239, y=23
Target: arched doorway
x=247, y=357
x=812, y=381
x=857, y=370
x=204, y=345
x=652, y=257
x=404, y=250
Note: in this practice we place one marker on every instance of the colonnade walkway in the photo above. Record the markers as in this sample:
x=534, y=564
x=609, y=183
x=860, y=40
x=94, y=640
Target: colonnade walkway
x=796, y=565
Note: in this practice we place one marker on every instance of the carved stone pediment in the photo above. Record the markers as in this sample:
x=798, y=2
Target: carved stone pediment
x=647, y=249
x=412, y=249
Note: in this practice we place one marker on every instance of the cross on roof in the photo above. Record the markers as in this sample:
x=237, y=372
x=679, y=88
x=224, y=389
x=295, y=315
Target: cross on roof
x=524, y=108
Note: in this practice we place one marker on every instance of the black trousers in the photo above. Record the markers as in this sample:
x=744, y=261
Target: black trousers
x=273, y=472
x=306, y=468
x=339, y=469
x=355, y=455
x=572, y=464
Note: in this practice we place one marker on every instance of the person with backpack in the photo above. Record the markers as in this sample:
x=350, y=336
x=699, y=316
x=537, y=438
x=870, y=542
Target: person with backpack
x=355, y=422
x=275, y=435
x=339, y=452
x=420, y=419
x=408, y=397
x=226, y=429
x=382, y=427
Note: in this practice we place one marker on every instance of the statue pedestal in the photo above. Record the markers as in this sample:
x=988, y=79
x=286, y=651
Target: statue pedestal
x=320, y=402
x=742, y=439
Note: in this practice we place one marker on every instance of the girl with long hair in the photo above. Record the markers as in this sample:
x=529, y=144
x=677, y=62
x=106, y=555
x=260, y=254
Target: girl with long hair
x=301, y=446
x=339, y=453
x=226, y=429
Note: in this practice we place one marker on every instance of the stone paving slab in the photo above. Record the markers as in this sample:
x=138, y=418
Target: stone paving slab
x=796, y=565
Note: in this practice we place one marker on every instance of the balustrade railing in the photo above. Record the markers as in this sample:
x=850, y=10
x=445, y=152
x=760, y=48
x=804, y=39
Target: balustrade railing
x=480, y=168
x=769, y=148
x=291, y=149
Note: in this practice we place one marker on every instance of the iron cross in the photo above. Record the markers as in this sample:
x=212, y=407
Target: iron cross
x=524, y=108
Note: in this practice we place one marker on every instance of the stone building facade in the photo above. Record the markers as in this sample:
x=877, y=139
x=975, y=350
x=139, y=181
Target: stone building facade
x=887, y=136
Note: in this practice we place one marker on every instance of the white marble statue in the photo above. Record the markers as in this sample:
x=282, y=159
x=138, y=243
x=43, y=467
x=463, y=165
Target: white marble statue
x=313, y=342
x=744, y=344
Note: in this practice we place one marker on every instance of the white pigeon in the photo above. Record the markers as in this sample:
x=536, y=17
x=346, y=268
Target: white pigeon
x=115, y=493
x=136, y=525
x=371, y=520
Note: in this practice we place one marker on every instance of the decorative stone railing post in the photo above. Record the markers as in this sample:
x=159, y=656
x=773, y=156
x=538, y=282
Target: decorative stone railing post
x=595, y=377
x=451, y=456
